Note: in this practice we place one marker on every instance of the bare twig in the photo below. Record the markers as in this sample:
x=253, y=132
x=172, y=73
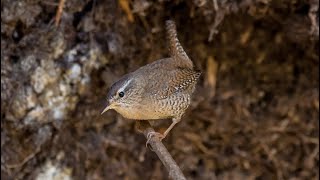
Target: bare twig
x=215, y=5
x=59, y=12
x=162, y=152
x=314, y=8
x=218, y=19
x=125, y=5
x=223, y=9
x=25, y=160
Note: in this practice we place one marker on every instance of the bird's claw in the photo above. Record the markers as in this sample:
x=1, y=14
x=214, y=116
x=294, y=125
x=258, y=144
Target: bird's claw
x=152, y=134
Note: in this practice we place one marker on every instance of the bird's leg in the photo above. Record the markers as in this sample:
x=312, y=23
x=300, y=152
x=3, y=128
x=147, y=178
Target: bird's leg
x=174, y=122
x=162, y=136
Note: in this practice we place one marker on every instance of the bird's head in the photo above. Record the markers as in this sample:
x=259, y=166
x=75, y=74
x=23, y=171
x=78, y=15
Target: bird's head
x=122, y=95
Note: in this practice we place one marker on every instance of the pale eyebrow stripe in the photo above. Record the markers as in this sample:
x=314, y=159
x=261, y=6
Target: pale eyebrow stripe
x=125, y=85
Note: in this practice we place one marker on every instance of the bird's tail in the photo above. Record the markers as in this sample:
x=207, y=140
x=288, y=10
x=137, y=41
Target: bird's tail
x=176, y=50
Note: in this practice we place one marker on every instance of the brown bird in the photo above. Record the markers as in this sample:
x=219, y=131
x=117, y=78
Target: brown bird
x=158, y=90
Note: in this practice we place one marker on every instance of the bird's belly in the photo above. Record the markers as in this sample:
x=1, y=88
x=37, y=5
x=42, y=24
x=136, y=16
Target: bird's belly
x=173, y=106
x=143, y=113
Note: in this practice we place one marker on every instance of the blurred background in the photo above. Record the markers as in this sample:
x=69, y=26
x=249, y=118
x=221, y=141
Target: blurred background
x=254, y=115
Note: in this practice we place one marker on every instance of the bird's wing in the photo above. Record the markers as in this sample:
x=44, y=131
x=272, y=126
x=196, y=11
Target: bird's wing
x=178, y=80
x=175, y=48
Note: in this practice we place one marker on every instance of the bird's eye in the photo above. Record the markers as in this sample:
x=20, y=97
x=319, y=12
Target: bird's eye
x=121, y=94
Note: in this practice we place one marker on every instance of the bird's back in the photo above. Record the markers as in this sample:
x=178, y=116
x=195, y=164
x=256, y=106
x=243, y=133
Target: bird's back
x=163, y=78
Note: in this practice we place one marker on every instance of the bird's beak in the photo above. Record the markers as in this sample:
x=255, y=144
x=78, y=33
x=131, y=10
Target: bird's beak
x=106, y=108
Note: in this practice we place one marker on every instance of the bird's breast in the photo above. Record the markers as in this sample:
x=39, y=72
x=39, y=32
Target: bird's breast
x=142, y=113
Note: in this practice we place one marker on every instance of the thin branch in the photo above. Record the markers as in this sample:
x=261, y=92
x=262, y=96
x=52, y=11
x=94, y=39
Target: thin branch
x=59, y=12
x=162, y=152
x=314, y=8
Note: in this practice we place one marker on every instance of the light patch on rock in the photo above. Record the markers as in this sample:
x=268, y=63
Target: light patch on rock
x=44, y=75
x=54, y=172
x=34, y=115
x=58, y=112
x=74, y=72
x=39, y=80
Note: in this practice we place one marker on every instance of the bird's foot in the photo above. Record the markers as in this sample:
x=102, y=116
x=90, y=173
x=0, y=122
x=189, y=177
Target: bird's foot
x=152, y=134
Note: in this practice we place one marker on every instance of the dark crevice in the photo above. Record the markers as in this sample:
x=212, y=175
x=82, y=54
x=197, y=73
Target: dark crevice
x=17, y=33
x=79, y=15
x=14, y=59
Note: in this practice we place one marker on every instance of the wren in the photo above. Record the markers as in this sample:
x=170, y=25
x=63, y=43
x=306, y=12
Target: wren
x=158, y=90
